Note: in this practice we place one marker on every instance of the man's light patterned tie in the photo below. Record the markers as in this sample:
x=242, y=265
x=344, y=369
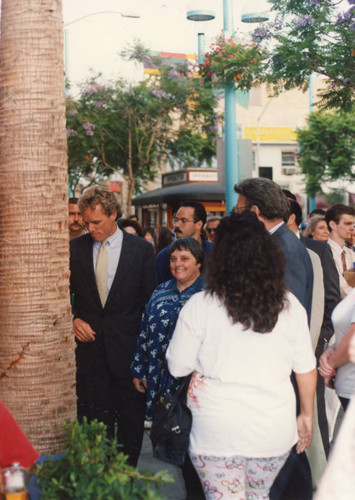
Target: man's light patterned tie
x=102, y=272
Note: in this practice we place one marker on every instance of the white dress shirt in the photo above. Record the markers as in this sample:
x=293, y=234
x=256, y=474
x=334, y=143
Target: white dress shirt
x=337, y=251
x=114, y=247
x=275, y=228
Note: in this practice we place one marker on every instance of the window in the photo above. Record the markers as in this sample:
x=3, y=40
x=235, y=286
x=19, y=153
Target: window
x=265, y=172
x=288, y=162
x=288, y=159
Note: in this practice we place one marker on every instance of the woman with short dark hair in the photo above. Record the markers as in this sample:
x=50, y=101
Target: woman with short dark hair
x=149, y=369
x=241, y=339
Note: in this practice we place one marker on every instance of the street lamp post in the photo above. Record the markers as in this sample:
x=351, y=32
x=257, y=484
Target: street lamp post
x=200, y=16
x=312, y=199
x=230, y=99
x=230, y=124
x=230, y=110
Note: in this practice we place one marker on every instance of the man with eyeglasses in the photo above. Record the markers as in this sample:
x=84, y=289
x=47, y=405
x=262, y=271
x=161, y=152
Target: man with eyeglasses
x=211, y=226
x=266, y=199
x=188, y=223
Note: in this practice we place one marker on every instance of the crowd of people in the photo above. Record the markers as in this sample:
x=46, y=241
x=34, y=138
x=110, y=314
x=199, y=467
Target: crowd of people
x=248, y=305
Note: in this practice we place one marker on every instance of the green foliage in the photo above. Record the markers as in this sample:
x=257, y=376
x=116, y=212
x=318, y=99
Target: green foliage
x=91, y=468
x=189, y=150
x=312, y=36
x=327, y=149
x=230, y=60
x=336, y=196
x=130, y=128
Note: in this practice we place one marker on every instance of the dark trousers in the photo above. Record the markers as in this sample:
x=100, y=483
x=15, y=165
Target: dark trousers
x=193, y=485
x=320, y=398
x=294, y=481
x=344, y=402
x=116, y=403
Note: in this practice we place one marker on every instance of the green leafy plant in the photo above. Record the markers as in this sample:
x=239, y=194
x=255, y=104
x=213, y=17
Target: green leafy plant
x=312, y=36
x=92, y=467
x=131, y=129
x=327, y=149
x=231, y=61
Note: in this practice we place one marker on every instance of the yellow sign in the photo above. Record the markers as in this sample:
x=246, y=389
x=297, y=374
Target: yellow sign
x=269, y=134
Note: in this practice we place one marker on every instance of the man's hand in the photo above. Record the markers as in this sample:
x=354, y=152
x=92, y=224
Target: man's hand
x=140, y=385
x=325, y=368
x=329, y=382
x=83, y=331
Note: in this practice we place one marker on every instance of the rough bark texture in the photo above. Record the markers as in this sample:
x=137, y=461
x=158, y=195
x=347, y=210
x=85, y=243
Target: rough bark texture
x=37, y=365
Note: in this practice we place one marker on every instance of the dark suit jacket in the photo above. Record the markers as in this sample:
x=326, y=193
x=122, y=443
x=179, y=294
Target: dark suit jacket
x=331, y=282
x=117, y=324
x=294, y=481
x=298, y=269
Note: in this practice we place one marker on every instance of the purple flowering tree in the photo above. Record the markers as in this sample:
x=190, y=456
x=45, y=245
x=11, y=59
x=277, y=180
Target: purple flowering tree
x=312, y=36
x=132, y=129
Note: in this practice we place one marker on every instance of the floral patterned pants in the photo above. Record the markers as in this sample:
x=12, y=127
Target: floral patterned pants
x=239, y=478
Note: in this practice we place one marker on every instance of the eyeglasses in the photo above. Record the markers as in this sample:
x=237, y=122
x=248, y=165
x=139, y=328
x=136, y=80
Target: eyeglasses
x=182, y=220
x=210, y=229
x=236, y=210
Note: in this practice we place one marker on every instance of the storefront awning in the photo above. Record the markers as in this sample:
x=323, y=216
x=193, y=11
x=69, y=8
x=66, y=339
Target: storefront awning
x=201, y=191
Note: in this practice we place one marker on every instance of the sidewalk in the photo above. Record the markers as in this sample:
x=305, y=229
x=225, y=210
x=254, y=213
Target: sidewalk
x=172, y=491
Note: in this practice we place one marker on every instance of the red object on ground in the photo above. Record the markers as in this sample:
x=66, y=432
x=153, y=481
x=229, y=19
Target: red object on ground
x=14, y=444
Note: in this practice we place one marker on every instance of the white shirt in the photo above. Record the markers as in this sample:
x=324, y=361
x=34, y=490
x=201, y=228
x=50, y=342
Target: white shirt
x=342, y=317
x=114, y=247
x=241, y=397
x=275, y=228
x=349, y=259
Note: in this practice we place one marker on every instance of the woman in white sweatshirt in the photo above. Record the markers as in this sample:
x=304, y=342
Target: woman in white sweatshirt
x=242, y=338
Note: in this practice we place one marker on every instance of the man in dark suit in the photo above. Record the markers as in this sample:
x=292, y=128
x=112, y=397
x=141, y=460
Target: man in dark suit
x=331, y=299
x=112, y=278
x=266, y=199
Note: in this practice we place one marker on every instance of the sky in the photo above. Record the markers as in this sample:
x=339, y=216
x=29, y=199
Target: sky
x=94, y=43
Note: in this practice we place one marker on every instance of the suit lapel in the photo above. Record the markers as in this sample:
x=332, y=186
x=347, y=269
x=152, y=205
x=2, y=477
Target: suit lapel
x=88, y=258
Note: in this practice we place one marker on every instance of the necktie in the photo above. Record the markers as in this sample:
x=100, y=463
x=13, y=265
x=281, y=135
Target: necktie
x=102, y=272
x=343, y=261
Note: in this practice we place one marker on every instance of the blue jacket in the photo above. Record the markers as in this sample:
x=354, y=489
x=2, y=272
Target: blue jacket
x=298, y=268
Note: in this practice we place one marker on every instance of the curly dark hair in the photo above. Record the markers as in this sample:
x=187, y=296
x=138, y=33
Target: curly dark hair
x=246, y=272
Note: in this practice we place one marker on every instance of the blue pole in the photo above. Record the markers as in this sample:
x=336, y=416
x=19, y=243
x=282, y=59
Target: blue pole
x=230, y=118
x=311, y=201
x=200, y=47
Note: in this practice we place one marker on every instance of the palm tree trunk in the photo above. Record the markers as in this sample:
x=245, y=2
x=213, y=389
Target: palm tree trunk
x=37, y=365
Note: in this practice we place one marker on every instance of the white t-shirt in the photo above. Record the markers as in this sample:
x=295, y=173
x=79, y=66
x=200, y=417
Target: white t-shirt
x=342, y=317
x=241, y=397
